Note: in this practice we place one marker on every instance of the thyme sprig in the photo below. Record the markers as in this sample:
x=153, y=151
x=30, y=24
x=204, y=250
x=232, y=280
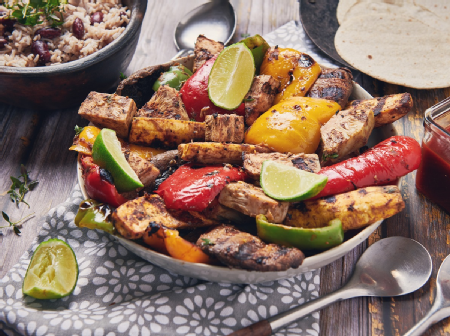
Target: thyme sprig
x=32, y=12
x=14, y=224
x=20, y=186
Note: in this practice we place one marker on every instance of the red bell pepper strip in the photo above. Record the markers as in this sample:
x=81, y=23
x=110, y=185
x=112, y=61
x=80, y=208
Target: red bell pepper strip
x=193, y=188
x=194, y=94
x=98, y=183
x=382, y=164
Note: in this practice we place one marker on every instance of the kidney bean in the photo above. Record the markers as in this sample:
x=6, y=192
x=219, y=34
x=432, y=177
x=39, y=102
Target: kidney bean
x=7, y=23
x=78, y=28
x=48, y=32
x=96, y=17
x=3, y=42
x=41, y=48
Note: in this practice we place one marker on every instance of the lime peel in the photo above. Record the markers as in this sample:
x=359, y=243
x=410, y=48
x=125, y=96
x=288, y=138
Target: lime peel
x=52, y=272
x=107, y=153
x=286, y=183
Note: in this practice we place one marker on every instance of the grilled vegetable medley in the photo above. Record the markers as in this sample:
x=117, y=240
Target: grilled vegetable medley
x=166, y=166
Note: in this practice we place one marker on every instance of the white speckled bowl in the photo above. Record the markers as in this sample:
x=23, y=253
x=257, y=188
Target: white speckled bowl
x=232, y=275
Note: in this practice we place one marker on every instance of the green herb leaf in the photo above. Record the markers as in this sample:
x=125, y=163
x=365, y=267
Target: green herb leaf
x=5, y=216
x=245, y=35
x=330, y=156
x=78, y=129
x=23, y=184
x=122, y=76
x=206, y=241
x=14, y=225
x=33, y=12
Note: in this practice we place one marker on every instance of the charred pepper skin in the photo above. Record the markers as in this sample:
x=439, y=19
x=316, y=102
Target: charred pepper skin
x=318, y=239
x=194, y=94
x=98, y=185
x=194, y=187
x=94, y=215
x=380, y=165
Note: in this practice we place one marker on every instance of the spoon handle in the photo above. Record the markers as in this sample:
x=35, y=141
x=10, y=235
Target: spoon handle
x=433, y=316
x=182, y=53
x=265, y=327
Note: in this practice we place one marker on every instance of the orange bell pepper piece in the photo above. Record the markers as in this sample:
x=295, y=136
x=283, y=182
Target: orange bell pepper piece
x=84, y=141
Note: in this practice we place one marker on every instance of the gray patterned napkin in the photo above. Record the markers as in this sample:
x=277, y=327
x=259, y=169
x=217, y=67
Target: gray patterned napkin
x=118, y=293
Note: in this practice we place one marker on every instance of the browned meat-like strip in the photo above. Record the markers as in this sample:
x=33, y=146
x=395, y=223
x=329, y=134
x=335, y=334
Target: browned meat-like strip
x=165, y=160
x=217, y=153
x=139, y=86
x=253, y=162
x=242, y=250
x=133, y=218
x=221, y=213
x=260, y=97
x=345, y=133
x=224, y=128
x=386, y=109
x=165, y=103
x=144, y=169
x=333, y=84
x=110, y=111
x=252, y=201
x=204, y=50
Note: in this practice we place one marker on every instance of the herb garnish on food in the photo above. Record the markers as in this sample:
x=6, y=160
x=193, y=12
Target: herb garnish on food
x=78, y=129
x=33, y=12
x=24, y=184
x=206, y=241
x=122, y=76
x=13, y=224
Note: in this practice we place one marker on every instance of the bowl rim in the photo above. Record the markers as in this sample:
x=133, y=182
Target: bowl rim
x=131, y=30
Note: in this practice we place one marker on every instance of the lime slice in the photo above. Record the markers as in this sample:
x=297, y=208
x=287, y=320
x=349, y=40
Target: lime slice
x=53, y=271
x=107, y=153
x=285, y=183
x=231, y=76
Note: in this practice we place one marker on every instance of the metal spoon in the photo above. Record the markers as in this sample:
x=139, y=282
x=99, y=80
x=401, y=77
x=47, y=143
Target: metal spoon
x=215, y=19
x=441, y=305
x=390, y=267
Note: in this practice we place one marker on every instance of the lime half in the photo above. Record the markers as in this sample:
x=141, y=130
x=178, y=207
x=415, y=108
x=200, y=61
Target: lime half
x=53, y=271
x=231, y=76
x=285, y=183
x=107, y=153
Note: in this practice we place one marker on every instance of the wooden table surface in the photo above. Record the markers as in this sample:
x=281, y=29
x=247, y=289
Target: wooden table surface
x=40, y=141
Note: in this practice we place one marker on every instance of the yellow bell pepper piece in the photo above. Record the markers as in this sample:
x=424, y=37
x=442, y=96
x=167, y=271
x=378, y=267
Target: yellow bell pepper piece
x=296, y=71
x=293, y=125
x=84, y=141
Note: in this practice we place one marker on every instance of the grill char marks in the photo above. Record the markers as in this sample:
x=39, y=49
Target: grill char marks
x=333, y=84
x=242, y=250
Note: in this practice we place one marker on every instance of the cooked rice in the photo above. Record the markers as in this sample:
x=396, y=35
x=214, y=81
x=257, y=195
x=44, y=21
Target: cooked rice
x=66, y=48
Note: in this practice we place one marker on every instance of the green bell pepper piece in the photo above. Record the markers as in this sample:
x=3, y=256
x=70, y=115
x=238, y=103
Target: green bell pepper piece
x=174, y=77
x=94, y=215
x=258, y=47
x=322, y=238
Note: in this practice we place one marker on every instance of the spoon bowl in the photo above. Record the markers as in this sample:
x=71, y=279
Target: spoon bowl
x=215, y=19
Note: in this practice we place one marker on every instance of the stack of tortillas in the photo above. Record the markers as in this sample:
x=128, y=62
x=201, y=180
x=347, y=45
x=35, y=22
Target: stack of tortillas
x=404, y=42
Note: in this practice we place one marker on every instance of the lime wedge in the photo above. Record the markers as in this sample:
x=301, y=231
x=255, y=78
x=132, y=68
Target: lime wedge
x=53, y=271
x=285, y=183
x=231, y=76
x=107, y=153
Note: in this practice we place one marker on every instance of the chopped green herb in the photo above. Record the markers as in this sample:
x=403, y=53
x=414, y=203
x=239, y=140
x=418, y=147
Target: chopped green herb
x=206, y=241
x=245, y=35
x=78, y=129
x=330, y=156
x=13, y=224
x=24, y=184
x=34, y=12
x=122, y=76
x=250, y=99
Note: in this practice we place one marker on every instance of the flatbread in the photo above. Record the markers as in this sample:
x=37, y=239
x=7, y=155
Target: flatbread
x=342, y=9
x=397, y=49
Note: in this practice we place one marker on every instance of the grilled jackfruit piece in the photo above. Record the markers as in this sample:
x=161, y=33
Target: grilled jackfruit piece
x=110, y=111
x=205, y=49
x=144, y=169
x=224, y=128
x=165, y=103
x=253, y=162
x=386, y=109
x=165, y=133
x=252, y=201
x=355, y=209
x=260, y=97
x=344, y=133
x=132, y=218
x=217, y=153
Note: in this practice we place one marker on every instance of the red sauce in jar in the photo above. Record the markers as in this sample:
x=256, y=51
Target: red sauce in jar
x=433, y=176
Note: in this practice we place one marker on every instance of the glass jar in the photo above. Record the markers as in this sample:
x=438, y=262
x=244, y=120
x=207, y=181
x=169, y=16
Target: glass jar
x=433, y=175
